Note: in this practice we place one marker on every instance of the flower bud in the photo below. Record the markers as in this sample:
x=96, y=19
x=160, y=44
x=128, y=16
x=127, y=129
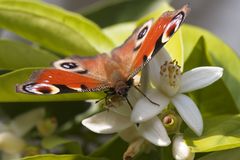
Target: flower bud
x=171, y=121
x=180, y=150
x=134, y=148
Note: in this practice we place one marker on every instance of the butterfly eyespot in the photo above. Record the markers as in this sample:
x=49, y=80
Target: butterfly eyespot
x=69, y=65
x=172, y=27
x=142, y=33
x=41, y=88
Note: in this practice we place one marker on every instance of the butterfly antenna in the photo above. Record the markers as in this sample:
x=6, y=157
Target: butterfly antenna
x=130, y=105
x=146, y=96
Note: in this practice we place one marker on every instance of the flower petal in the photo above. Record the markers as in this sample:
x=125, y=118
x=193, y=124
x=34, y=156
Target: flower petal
x=124, y=134
x=120, y=105
x=26, y=121
x=189, y=112
x=199, y=78
x=106, y=122
x=154, y=66
x=145, y=110
x=123, y=110
x=154, y=131
x=180, y=149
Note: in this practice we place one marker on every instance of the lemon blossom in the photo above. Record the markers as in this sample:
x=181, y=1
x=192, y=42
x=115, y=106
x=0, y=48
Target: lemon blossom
x=11, y=141
x=170, y=85
x=117, y=120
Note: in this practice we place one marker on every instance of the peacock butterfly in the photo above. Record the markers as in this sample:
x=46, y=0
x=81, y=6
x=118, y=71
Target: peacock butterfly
x=113, y=72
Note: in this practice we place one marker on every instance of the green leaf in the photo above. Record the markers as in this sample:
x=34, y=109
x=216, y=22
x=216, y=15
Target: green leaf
x=113, y=149
x=52, y=27
x=159, y=153
x=8, y=92
x=120, y=32
x=153, y=155
x=207, y=99
x=218, y=54
x=120, y=10
x=61, y=157
x=220, y=133
x=73, y=148
x=54, y=141
x=15, y=55
x=232, y=154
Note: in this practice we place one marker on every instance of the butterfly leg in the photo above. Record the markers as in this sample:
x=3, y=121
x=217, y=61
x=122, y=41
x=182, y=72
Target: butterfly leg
x=110, y=92
x=139, y=90
x=130, y=105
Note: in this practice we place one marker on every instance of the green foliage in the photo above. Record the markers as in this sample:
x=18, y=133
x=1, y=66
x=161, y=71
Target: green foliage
x=218, y=54
x=233, y=154
x=158, y=153
x=209, y=106
x=105, y=150
x=99, y=12
x=26, y=56
x=53, y=141
x=220, y=133
x=53, y=28
x=61, y=157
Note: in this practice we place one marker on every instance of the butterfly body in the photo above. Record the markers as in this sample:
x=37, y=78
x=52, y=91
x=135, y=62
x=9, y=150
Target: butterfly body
x=112, y=73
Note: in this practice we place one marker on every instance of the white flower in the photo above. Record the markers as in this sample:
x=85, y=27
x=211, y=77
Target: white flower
x=117, y=120
x=180, y=150
x=170, y=85
x=11, y=141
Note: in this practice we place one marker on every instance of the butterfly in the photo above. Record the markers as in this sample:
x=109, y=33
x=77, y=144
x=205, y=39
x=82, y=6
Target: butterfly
x=113, y=73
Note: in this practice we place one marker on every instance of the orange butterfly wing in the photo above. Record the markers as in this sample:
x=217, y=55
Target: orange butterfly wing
x=73, y=74
x=125, y=54
x=147, y=40
x=160, y=33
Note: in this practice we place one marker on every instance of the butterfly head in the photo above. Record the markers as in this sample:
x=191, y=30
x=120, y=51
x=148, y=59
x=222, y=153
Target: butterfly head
x=121, y=88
